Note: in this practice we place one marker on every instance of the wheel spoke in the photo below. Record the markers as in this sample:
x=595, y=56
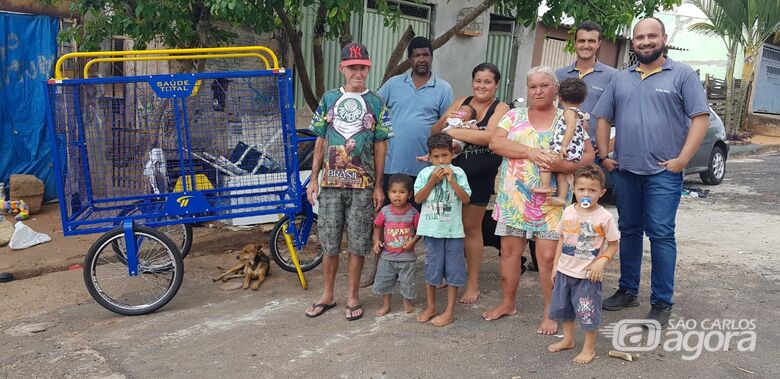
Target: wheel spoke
x=111, y=283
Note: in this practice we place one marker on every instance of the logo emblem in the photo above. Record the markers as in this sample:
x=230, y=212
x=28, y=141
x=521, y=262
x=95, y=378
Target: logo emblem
x=350, y=110
x=184, y=201
x=634, y=335
x=354, y=52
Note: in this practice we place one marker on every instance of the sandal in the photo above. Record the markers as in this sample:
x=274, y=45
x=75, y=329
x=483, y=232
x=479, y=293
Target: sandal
x=353, y=309
x=323, y=309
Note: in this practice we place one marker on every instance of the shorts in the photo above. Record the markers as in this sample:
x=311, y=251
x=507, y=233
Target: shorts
x=575, y=298
x=388, y=272
x=481, y=167
x=504, y=230
x=445, y=258
x=340, y=206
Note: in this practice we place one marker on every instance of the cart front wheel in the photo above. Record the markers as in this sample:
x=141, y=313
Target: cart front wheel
x=180, y=234
x=309, y=255
x=160, y=271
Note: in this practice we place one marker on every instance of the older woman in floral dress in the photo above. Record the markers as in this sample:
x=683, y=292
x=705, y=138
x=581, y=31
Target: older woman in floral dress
x=522, y=137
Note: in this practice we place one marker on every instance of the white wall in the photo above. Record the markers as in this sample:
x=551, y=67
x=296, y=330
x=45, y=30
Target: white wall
x=525, y=39
x=454, y=61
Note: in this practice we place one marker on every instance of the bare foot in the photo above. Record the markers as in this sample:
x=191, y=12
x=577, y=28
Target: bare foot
x=469, y=297
x=443, y=319
x=558, y=346
x=498, y=312
x=408, y=306
x=547, y=327
x=382, y=311
x=585, y=357
x=542, y=190
x=426, y=315
x=555, y=201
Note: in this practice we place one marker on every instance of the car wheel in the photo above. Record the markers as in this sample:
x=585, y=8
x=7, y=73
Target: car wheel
x=717, y=167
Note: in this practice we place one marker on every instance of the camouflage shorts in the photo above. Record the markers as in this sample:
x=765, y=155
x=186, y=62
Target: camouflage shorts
x=353, y=207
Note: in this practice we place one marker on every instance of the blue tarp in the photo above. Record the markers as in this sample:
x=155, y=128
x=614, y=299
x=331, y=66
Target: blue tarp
x=28, y=49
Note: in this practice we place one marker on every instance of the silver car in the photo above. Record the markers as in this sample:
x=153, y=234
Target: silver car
x=710, y=160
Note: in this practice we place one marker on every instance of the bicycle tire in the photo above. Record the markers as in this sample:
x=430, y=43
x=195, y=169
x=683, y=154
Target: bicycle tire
x=309, y=256
x=180, y=234
x=158, y=257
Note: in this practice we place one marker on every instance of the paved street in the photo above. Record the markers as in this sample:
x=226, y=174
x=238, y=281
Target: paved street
x=728, y=269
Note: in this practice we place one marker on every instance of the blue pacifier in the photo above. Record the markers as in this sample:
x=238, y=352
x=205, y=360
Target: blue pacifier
x=585, y=202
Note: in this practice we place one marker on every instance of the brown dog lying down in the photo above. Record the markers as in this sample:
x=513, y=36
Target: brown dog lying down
x=253, y=265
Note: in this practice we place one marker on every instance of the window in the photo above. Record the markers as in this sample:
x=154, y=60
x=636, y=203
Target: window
x=407, y=9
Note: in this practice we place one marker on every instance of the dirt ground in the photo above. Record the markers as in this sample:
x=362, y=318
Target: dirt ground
x=67, y=253
x=727, y=269
x=765, y=140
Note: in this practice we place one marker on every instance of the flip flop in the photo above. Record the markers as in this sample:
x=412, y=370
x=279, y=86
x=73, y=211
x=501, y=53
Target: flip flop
x=323, y=309
x=352, y=309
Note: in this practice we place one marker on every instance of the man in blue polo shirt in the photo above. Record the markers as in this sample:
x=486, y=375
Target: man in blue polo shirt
x=660, y=113
x=417, y=100
x=587, y=41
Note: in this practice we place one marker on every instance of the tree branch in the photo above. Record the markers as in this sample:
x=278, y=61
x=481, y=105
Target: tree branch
x=316, y=47
x=300, y=65
x=398, y=52
x=444, y=38
x=346, y=34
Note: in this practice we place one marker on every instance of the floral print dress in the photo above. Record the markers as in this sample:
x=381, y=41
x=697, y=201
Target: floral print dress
x=517, y=206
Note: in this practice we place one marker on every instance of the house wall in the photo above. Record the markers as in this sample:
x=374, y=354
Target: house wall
x=455, y=60
x=608, y=53
x=532, y=40
x=526, y=38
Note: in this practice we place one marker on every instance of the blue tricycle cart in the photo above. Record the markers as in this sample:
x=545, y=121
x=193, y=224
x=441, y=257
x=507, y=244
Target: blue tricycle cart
x=142, y=156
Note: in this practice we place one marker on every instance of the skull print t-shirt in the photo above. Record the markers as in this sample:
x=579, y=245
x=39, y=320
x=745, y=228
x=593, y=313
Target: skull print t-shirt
x=351, y=123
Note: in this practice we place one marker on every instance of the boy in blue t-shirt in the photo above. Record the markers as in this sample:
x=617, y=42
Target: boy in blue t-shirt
x=442, y=189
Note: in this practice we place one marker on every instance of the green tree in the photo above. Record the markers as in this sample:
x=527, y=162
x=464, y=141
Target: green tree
x=722, y=26
x=757, y=21
x=200, y=23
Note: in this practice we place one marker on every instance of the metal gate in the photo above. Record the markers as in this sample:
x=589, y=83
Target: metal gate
x=554, y=53
x=368, y=28
x=767, y=83
x=381, y=40
x=331, y=52
x=502, y=51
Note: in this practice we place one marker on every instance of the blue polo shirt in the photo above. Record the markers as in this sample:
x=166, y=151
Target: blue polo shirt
x=651, y=116
x=597, y=81
x=414, y=113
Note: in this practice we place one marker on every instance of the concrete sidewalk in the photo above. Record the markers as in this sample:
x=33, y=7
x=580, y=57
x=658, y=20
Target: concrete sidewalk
x=740, y=151
x=64, y=253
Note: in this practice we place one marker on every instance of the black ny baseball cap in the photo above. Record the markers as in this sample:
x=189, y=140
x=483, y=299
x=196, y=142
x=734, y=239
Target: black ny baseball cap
x=354, y=53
